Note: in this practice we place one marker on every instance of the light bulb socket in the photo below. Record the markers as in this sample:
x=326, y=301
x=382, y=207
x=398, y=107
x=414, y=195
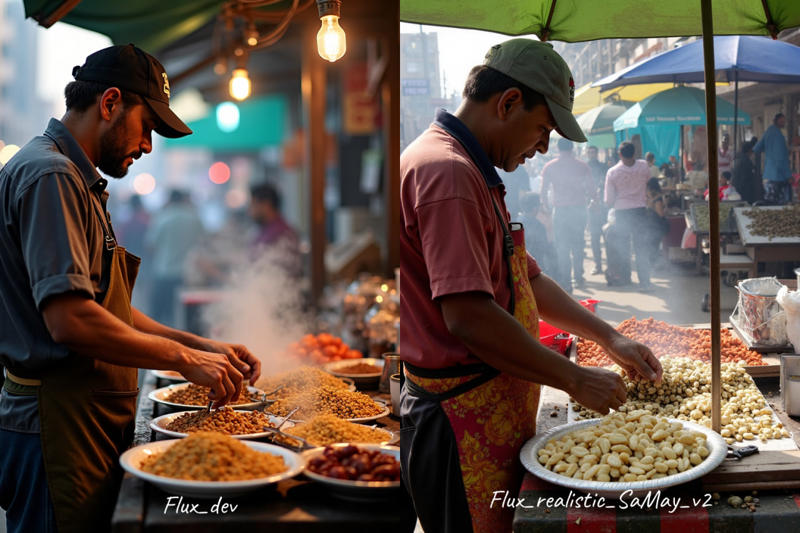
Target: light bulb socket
x=329, y=7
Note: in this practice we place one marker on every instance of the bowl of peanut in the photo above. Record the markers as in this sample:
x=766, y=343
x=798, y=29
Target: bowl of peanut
x=239, y=424
x=624, y=454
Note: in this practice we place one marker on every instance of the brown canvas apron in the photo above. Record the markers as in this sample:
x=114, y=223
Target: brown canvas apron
x=491, y=413
x=86, y=410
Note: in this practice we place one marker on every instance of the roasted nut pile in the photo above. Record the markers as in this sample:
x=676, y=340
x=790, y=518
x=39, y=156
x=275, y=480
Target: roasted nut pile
x=198, y=395
x=685, y=394
x=665, y=339
x=773, y=223
x=321, y=400
x=208, y=456
x=359, y=368
x=223, y=420
x=634, y=446
x=356, y=464
x=323, y=430
x=299, y=379
x=702, y=219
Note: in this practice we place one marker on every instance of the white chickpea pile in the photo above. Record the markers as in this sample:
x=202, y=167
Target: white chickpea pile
x=685, y=394
x=633, y=446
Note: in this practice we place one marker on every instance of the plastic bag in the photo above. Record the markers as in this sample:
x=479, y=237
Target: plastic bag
x=790, y=302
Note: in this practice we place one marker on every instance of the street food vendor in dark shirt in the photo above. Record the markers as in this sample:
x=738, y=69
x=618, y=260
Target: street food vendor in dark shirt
x=471, y=297
x=70, y=342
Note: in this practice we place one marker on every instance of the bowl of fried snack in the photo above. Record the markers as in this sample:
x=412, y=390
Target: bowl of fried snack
x=209, y=465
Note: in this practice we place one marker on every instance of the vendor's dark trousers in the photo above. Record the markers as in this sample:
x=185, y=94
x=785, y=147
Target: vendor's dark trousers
x=569, y=225
x=23, y=485
x=597, y=218
x=430, y=466
x=629, y=226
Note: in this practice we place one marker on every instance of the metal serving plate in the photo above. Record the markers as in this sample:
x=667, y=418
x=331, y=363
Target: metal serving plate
x=358, y=491
x=132, y=459
x=158, y=396
x=160, y=425
x=529, y=455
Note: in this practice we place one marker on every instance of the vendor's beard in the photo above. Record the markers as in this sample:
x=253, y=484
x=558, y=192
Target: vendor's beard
x=112, y=151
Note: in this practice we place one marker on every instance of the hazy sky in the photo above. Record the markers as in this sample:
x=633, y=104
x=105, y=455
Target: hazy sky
x=459, y=50
x=61, y=47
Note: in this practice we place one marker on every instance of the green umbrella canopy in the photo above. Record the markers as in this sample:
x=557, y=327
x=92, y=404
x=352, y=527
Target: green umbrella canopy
x=681, y=105
x=600, y=119
x=150, y=24
x=584, y=20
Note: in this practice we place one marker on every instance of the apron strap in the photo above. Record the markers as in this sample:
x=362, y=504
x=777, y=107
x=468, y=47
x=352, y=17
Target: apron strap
x=484, y=371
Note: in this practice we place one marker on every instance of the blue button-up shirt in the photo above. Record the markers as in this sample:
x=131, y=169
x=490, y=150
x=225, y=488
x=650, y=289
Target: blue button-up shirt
x=776, y=164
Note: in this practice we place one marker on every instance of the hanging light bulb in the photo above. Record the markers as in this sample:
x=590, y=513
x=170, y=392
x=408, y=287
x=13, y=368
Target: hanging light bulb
x=251, y=35
x=331, y=40
x=240, y=85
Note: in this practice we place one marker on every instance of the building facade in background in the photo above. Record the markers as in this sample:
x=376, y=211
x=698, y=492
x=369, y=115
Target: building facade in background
x=22, y=113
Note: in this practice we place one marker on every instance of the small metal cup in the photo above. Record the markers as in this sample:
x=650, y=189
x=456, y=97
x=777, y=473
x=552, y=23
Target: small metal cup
x=790, y=383
x=394, y=386
x=391, y=365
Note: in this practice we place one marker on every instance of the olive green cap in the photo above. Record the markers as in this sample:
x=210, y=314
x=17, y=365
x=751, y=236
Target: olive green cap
x=537, y=66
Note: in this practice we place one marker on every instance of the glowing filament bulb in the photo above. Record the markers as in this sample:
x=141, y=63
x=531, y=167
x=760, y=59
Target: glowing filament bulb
x=240, y=84
x=331, y=40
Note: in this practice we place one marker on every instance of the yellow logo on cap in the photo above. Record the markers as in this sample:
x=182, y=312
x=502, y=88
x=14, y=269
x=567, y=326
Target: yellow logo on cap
x=166, y=83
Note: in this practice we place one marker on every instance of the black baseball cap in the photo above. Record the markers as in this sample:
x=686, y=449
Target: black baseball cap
x=132, y=69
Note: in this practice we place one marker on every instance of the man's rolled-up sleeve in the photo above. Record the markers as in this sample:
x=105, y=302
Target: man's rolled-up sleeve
x=53, y=225
x=454, y=244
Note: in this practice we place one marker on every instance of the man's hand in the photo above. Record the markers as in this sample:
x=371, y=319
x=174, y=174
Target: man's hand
x=213, y=370
x=635, y=358
x=239, y=356
x=599, y=389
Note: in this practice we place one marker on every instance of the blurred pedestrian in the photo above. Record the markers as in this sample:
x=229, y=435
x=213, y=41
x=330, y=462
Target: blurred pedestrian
x=274, y=235
x=777, y=189
x=131, y=233
x=745, y=179
x=573, y=187
x=657, y=225
x=536, y=239
x=626, y=184
x=650, y=159
x=598, y=212
x=725, y=156
x=176, y=229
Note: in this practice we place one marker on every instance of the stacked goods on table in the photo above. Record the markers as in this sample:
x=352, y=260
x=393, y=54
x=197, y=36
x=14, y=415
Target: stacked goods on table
x=685, y=394
x=224, y=420
x=322, y=348
x=702, y=218
x=327, y=400
x=665, y=339
x=303, y=378
x=198, y=395
x=772, y=223
x=323, y=430
x=208, y=456
x=631, y=446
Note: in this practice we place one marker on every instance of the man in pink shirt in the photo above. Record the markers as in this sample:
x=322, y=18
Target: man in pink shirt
x=468, y=317
x=625, y=192
x=571, y=181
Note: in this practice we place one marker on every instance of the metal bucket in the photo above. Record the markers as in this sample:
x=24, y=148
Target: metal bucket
x=790, y=383
x=757, y=315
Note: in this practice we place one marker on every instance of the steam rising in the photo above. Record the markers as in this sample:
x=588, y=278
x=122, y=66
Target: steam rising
x=261, y=308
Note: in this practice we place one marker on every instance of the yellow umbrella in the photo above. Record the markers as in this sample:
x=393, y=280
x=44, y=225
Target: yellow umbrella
x=588, y=97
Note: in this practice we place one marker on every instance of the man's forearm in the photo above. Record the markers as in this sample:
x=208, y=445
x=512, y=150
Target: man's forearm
x=145, y=324
x=494, y=336
x=561, y=310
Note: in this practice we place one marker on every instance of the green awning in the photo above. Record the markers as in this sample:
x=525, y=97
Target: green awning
x=261, y=123
x=150, y=24
x=584, y=20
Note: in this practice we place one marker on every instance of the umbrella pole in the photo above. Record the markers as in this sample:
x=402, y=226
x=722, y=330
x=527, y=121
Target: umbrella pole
x=713, y=207
x=735, y=112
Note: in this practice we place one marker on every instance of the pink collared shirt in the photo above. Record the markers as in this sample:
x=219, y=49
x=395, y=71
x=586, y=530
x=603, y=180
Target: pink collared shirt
x=626, y=185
